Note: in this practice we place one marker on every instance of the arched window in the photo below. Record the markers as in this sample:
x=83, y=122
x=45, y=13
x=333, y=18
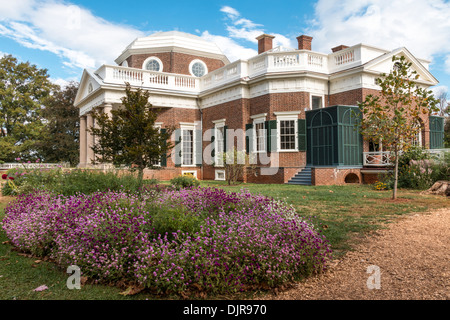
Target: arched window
x=198, y=68
x=153, y=64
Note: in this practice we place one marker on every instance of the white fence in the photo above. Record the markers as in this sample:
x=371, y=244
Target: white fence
x=383, y=159
x=7, y=166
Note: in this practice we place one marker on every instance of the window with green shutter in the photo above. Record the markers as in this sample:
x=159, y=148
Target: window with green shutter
x=249, y=137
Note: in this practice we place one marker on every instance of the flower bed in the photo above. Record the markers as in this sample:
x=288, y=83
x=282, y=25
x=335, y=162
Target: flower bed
x=172, y=241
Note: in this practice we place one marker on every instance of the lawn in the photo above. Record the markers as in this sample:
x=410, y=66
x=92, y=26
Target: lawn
x=344, y=214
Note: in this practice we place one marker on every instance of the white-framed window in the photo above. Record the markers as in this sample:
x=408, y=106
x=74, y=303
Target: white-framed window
x=157, y=162
x=220, y=175
x=259, y=133
x=187, y=145
x=287, y=131
x=219, y=142
x=316, y=102
x=417, y=140
x=125, y=64
x=153, y=64
x=198, y=68
x=189, y=173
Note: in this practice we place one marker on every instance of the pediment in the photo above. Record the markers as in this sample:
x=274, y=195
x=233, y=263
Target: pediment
x=384, y=64
x=88, y=84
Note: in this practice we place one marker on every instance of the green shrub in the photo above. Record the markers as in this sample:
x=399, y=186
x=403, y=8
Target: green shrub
x=182, y=182
x=69, y=182
x=418, y=171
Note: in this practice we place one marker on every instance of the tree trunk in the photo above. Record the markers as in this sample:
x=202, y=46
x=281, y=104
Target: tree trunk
x=394, y=192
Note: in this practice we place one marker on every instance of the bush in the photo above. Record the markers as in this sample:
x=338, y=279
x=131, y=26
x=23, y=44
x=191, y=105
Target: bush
x=182, y=182
x=417, y=170
x=173, y=241
x=71, y=182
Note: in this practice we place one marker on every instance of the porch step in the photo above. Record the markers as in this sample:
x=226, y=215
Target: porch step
x=302, y=178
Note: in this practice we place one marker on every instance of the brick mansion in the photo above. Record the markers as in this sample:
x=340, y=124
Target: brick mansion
x=293, y=105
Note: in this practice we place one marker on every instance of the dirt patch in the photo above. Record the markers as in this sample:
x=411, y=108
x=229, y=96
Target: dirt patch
x=413, y=260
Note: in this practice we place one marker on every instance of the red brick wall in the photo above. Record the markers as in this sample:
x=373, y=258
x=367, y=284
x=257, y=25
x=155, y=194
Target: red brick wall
x=174, y=62
x=332, y=176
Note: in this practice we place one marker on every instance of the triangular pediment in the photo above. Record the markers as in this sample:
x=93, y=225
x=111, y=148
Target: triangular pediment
x=88, y=84
x=384, y=64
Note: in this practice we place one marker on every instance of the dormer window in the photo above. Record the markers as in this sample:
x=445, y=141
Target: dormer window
x=198, y=68
x=153, y=64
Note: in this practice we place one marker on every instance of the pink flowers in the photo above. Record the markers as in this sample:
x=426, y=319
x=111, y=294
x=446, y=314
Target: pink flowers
x=208, y=238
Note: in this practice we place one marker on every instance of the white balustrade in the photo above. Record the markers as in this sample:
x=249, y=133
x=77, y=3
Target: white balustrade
x=377, y=159
x=145, y=78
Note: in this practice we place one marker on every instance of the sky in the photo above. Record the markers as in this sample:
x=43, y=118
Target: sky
x=66, y=37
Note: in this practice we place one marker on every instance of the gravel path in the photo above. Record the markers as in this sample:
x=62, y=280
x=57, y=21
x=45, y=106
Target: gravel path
x=413, y=257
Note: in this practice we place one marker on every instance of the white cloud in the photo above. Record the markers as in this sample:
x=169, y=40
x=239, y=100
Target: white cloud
x=240, y=28
x=73, y=33
x=423, y=27
x=229, y=47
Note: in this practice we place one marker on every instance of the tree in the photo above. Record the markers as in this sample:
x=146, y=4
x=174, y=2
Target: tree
x=130, y=137
x=393, y=115
x=59, y=140
x=23, y=89
x=236, y=164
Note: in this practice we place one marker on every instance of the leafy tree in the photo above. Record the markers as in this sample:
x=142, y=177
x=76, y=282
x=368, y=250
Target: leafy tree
x=393, y=115
x=129, y=137
x=60, y=137
x=23, y=89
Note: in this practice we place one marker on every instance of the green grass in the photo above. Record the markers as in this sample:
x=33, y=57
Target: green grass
x=344, y=214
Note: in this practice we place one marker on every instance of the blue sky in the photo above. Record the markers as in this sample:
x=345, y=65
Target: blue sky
x=67, y=36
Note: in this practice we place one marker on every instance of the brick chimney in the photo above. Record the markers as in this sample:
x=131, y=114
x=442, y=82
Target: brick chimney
x=339, y=48
x=304, y=42
x=264, y=43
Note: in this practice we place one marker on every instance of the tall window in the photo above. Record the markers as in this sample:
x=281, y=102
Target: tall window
x=219, y=138
x=287, y=134
x=187, y=151
x=260, y=137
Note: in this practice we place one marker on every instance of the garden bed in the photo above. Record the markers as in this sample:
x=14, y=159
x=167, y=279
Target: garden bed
x=191, y=240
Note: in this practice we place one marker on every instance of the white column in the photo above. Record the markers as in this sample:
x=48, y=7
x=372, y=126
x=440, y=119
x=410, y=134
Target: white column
x=90, y=140
x=83, y=142
x=107, y=109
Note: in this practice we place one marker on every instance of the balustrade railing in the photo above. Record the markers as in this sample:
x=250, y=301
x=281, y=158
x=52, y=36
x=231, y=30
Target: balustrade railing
x=377, y=159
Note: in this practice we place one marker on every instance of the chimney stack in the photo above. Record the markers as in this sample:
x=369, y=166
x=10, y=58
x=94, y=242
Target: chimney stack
x=304, y=42
x=339, y=48
x=264, y=43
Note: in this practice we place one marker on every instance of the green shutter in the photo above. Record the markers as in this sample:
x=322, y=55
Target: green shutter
x=271, y=127
x=198, y=148
x=164, y=156
x=178, y=146
x=225, y=128
x=213, y=138
x=436, y=132
x=301, y=134
x=248, y=137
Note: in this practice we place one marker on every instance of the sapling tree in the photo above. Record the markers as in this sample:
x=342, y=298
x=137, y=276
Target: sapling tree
x=393, y=115
x=129, y=135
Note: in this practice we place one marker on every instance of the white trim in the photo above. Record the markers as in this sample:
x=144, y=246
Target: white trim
x=258, y=119
x=286, y=117
x=192, y=64
x=287, y=113
x=189, y=126
x=218, y=124
x=257, y=116
x=194, y=172
x=216, y=175
x=322, y=97
x=124, y=64
x=144, y=65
